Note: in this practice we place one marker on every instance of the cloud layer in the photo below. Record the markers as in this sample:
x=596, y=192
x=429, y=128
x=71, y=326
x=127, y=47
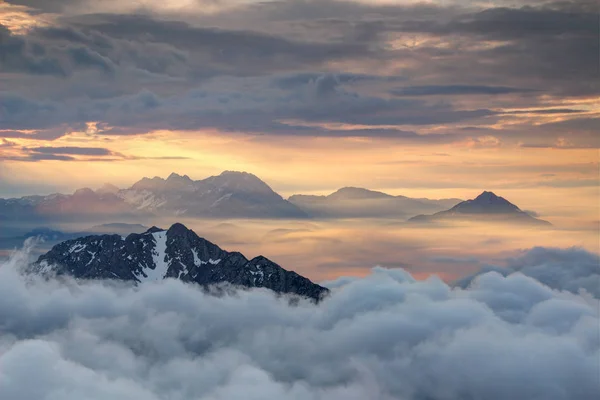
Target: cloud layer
x=139, y=69
x=572, y=269
x=386, y=336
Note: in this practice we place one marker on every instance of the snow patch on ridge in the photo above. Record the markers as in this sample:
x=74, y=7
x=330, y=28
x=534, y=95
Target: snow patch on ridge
x=77, y=247
x=161, y=266
x=197, y=261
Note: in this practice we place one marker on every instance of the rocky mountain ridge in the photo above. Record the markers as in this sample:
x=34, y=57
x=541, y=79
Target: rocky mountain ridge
x=177, y=253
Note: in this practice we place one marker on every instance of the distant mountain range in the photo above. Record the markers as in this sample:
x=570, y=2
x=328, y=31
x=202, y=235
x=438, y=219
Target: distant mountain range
x=352, y=202
x=243, y=195
x=228, y=195
x=487, y=207
x=174, y=253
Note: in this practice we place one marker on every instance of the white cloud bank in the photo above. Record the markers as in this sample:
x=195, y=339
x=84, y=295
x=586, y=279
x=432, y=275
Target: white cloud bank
x=572, y=269
x=383, y=337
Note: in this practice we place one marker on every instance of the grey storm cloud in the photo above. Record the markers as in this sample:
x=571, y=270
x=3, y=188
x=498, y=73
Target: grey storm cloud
x=197, y=51
x=248, y=68
x=33, y=154
x=90, y=151
x=45, y=5
x=454, y=90
x=69, y=153
x=506, y=23
x=320, y=100
x=294, y=81
x=38, y=157
x=385, y=336
x=17, y=55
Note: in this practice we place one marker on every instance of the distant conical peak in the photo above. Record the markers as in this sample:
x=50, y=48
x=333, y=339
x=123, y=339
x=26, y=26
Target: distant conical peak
x=486, y=193
x=487, y=196
x=491, y=198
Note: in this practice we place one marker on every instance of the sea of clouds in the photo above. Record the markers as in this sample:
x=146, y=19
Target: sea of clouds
x=386, y=336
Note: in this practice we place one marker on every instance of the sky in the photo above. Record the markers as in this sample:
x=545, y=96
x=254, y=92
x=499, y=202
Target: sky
x=433, y=99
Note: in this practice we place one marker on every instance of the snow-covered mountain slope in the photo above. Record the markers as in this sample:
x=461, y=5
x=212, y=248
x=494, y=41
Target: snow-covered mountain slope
x=174, y=253
x=228, y=195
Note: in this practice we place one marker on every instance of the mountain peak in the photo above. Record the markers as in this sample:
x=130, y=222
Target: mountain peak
x=84, y=192
x=486, y=206
x=148, y=183
x=154, y=229
x=107, y=188
x=178, y=229
x=239, y=175
x=176, y=177
x=242, y=181
x=487, y=196
x=356, y=193
x=486, y=202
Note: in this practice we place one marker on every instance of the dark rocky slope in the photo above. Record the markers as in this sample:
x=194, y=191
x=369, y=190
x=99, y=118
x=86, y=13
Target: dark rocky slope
x=174, y=253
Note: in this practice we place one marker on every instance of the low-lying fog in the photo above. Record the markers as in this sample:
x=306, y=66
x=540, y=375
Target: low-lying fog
x=324, y=250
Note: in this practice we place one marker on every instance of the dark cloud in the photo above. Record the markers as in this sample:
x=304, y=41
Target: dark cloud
x=90, y=151
x=584, y=124
x=218, y=51
x=549, y=111
x=514, y=23
x=45, y=5
x=294, y=81
x=456, y=260
x=319, y=101
x=33, y=154
x=385, y=337
x=67, y=153
x=19, y=55
x=252, y=68
x=454, y=90
x=36, y=157
x=83, y=56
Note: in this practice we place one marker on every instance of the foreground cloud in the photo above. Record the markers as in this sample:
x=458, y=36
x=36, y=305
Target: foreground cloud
x=571, y=269
x=386, y=336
